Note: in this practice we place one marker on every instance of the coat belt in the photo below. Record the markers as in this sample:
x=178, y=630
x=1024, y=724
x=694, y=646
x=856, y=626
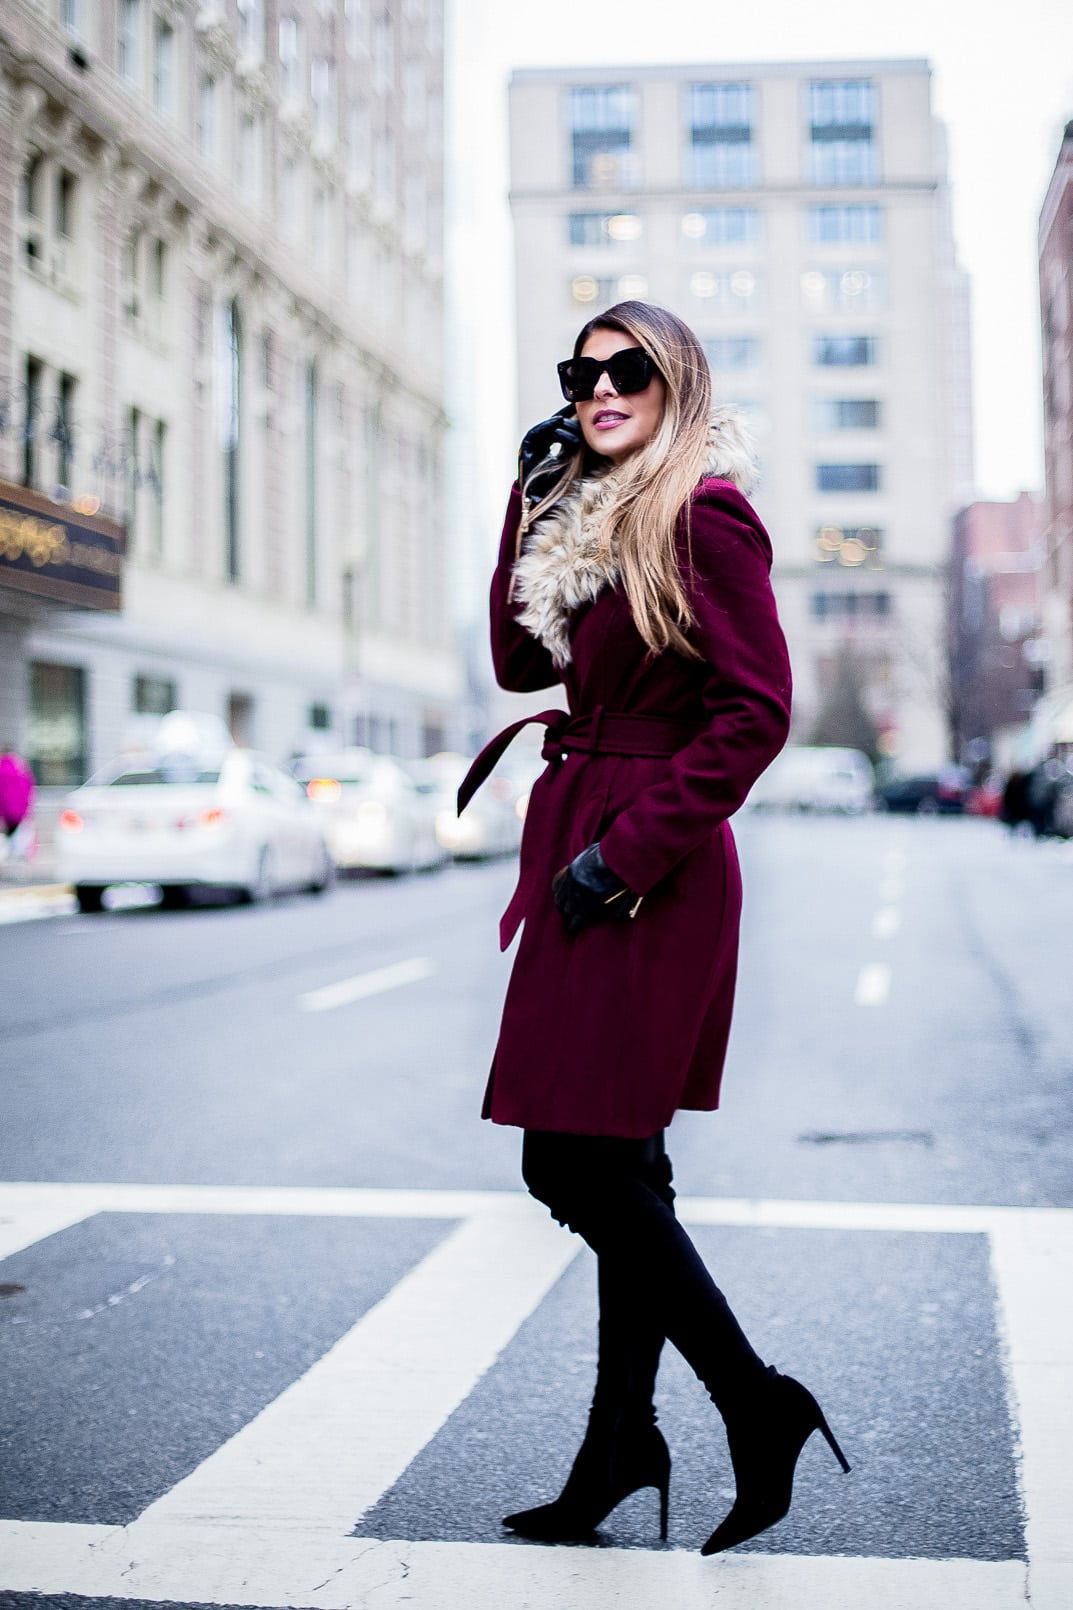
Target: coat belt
x=598, y=732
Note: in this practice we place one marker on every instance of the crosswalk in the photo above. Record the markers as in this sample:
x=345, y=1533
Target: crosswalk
x=268, y=1519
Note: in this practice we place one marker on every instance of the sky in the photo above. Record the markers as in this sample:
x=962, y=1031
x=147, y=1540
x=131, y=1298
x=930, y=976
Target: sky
x=1002, y=84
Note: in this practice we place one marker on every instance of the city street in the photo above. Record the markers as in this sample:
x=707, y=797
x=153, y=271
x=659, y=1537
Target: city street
x=280, y=1327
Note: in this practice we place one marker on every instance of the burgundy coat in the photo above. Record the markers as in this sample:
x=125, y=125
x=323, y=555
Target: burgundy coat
x=610, y=1032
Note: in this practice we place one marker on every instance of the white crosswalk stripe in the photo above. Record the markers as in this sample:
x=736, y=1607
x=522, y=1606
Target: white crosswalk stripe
x=264, y=1520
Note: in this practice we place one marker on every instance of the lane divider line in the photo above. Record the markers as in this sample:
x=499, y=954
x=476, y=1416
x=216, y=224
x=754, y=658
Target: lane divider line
x=363, y=985
x=873, y=984
x=887, y=921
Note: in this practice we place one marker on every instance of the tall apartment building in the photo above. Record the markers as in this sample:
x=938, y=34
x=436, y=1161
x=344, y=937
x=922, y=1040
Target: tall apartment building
x=221, y=418
x=797, y=216
x=1056, y=301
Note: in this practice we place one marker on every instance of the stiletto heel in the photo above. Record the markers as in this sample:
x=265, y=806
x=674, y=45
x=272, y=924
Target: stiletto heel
x=832, y=1442
x=765, y=1442
x=612, y=1462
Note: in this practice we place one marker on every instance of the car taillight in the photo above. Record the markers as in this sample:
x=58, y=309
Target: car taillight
x=72, y=822
x=323, y=788
x=212, y=817
x=521, y=806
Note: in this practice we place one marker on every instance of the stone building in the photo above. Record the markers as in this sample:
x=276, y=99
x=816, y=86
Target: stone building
x=221, y=323
x=797, y=215
x=1056, y=302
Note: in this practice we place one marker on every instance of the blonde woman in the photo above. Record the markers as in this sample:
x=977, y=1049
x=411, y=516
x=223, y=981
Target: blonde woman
x=634, y=572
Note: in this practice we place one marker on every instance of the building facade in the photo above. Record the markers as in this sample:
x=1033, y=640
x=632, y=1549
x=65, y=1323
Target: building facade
x=221, y=324
x=996, y=662
x=797, y=216
x=1056, y=304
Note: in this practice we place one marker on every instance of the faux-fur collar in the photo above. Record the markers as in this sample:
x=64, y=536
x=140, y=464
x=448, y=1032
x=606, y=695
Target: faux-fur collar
x=567, y=560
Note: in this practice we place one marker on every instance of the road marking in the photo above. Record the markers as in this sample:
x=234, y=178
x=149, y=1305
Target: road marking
x=248, y=1553
x=323, y=1452
x=363, y=985
x=238, y=1566
x=886, y=922
x=873, y=984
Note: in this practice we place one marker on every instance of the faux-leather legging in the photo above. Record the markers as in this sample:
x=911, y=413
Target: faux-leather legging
x=617, y=1195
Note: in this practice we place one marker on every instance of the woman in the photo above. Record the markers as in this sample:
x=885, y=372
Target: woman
x=633, y=570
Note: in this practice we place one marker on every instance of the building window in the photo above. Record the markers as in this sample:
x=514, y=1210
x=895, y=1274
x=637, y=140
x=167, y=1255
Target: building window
x=845, y=413
x=229, y=429
x=56, y=745
x=291, y=75
x=128, y=52
x=356, y=22
x=720, y=154
x=586, y=288
x=844, y=351
x=163, y=67
x=841, y=606
x=604, y=228
x=384, y=168
x=154, y=695
x=738, y=292
x=35, y=379
x=290, y=199
x=842, y=149
x=248, y=166
x=850, y=545
x=311, y=488
x=156, y=485
x=602, y=123
x=359, y=138
x=322, y=84
x=251, y=28
x=732, y=352
x=848, y=477
x=206, y=117
x=63, y=431
x=723, y=226
x=384, y=53
x=843, y=290
x=854, y=224
x=319, y=718
x=73, y=14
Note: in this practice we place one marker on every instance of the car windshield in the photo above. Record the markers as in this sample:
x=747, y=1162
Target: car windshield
x=175, y=773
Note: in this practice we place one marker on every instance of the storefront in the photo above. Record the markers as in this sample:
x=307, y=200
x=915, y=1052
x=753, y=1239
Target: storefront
x=53, y=557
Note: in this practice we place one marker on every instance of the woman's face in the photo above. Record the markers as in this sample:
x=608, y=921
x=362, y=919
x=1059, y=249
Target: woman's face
x=612, y=425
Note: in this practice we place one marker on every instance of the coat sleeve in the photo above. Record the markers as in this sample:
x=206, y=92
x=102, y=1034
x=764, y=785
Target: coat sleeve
x=746, y=695
x=521, y=661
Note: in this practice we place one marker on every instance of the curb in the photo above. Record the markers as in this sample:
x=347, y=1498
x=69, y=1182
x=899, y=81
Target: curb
x=35, y=891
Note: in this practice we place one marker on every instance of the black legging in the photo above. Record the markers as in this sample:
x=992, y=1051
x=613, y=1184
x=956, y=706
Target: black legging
x=617, y=1195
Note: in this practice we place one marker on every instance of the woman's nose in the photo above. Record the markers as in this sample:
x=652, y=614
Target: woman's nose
x=604, y=386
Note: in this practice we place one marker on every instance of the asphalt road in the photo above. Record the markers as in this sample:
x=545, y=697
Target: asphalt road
x=901, y=1043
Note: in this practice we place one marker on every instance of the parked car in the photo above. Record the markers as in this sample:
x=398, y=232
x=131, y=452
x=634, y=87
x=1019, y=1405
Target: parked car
x=985, y=798
x=371, y=812
x=940, y=793
x=491, y=823
x=231, y=821
x=816, y=778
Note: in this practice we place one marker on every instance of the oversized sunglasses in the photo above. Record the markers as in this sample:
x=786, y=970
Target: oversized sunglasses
x=628, y=371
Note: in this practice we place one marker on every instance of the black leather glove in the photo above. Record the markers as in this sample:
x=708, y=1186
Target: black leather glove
x=587, y=891
x=563, y=429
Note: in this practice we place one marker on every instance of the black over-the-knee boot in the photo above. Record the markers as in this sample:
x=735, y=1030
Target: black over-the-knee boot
x=597, y=1187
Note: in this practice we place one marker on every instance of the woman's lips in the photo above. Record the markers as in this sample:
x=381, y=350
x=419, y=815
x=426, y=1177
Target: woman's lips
x=608, y=421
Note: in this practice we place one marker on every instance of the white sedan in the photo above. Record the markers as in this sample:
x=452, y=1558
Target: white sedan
x=373, y=816
x=233, y=821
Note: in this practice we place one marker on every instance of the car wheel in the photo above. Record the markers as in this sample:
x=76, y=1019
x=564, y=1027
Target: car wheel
x=174, y=897
x=928, y=806
x=263, y=886
x=90, y=897
x=325, y=877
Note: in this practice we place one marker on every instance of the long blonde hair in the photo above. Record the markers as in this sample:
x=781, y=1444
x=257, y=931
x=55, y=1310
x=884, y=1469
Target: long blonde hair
x=654, y=484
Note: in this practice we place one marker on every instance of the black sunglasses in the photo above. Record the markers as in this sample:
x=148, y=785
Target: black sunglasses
x=628, y=371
